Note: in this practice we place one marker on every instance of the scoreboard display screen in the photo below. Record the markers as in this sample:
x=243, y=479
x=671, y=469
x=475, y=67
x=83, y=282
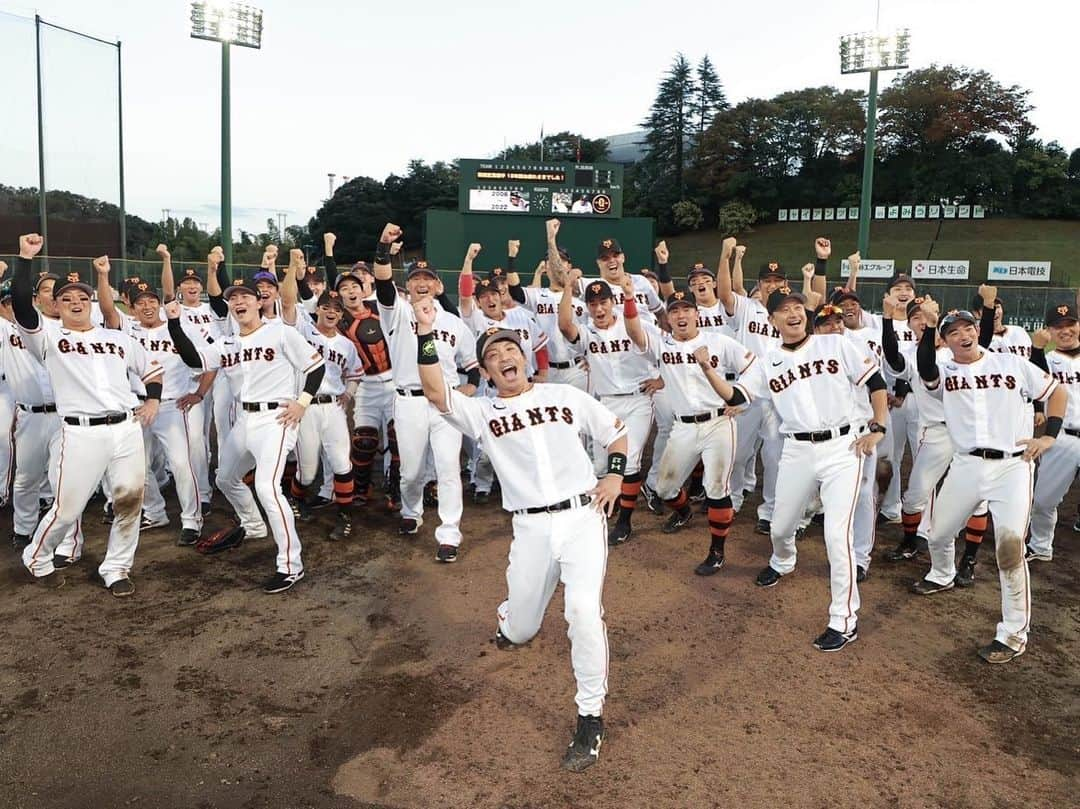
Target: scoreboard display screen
x=553, y=189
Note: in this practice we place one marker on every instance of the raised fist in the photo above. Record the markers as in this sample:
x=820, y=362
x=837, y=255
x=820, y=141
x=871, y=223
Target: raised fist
x=162, y=251
x=552, y=228
x=424, y=310
x=822, y=247
x=728, y=245
x=931, y=310
x=662, y=253
x=807, y=271
x=101, y=265
x=988, y=295
x=889, y=306
x=395, y=248
x=740, y=251
x=271, y=250
x=574, y=276
x=627, y=284
x=30, y=245
x=216, y=256
x=854, y=259
x=391, y=233
x=512, y=247
x=296, y=257
x=1041, y=338
x=473, y=251
x=3, y=268
x=172, y=309
x=701, y=354
x=328, y=240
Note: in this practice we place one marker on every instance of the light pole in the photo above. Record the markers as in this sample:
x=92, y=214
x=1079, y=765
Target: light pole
x=869, y=53
x=229, y=24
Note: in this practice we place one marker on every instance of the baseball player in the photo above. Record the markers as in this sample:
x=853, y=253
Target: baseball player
x=694, y=365
x=1057, y=467
x=178, y=428
x=558, y=504
x=983, y=395
x=618, y=367
x=101, y=422
x=263, y=361
x=814, y=382
x=456, y=349
x=1006, y=338
x=611, y=262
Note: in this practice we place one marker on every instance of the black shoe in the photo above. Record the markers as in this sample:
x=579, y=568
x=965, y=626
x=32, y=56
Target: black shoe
x=343, y=529
x=697, y=494
x=51, y=581
x=907, y=549
x=763, y=527
x=712, y=564
x=317, y=502
x=800, y=533
x=861, y=574
x=409, y=526
x=481, y=498
x=818, y=519
x=206, y=509
x=619, y=533
x=924, y=587
x=882, y=519
x=280, y=582
x=584, y=749
x=1076, y=525
x=677, y=520
x=60, y=562
x=431, y=494
x=300, y=508
x=188, y=536
x=20, y=541
x=965, y=571
x=767, y=578
x=832, y=641
x=998, y=652
x=108, y=518
x=1032, y=555
x=446, y=554
x=502, y=643
x=121, y=588
x=652, y=500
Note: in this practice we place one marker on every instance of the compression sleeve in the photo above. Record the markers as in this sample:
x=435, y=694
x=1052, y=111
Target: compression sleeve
x=331, y=271
x=1038, y=356
x=876, y=382
x=472, y=376
x=925, y=358
x=447, y=304
x=737, y=398
x=22, y=295
x=183, y=344
x=385, y=291
x=153, y=390
x=890, y=346
x=517, y=293
x=986, y=326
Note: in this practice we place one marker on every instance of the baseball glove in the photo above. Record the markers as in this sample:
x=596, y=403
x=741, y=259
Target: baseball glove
x=223, y=540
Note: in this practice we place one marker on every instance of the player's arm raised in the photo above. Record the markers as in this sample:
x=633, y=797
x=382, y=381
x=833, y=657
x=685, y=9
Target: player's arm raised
x=738, y=283
x=890, y=346
x=538, y=275
x=289, y=290
x=567, y=325
x=853, y=270
x=467, y=282
x=663, y=272
x=822, y=251
x=385, y=290
x=724, y=290
x=988, y=294
x=22, y=285
x=630, y=314
x=184, y=347
x=104, y=293
x=168, y=284
x=926, y=352
x=214, y=261
x=813, y=297
x=427, y=354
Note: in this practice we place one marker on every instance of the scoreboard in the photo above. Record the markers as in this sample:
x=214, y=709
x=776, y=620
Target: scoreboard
x=591, y=190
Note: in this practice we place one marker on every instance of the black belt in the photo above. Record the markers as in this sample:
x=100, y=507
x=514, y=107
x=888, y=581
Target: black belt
x=255, y=407
x=574, y=502
x=45, y=408
x=324, y=398
x=994, y=454
x=97, y=421
x=821, y=435
x=698, y=418
x=562, y=366
x=409, y=392
x=1073, y=433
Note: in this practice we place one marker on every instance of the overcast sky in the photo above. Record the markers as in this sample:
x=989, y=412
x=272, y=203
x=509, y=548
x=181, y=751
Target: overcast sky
x=356, y=88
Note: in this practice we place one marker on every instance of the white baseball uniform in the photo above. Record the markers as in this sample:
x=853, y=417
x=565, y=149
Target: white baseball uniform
x=648, y=302
x=201, y=321
x=1011, y=340
x=564, y=364
x=903, y=420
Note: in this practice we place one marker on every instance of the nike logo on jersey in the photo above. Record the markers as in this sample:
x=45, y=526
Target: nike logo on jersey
x=982, y=382
x=803, y=370
x=67, y=347
x=535, y=416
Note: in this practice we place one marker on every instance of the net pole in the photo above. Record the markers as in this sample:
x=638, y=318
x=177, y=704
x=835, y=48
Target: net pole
x=42, y=212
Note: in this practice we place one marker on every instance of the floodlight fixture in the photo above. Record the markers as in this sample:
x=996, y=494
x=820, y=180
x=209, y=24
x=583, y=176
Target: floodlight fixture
x=870, y=50
x=234, y=23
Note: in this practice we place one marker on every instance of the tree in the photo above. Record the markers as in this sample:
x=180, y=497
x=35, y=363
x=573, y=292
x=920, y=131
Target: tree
x=686, y=215
x=422, y=187
x=566, y=146
x=356, y=214
x=668, y=130
x=707, y=100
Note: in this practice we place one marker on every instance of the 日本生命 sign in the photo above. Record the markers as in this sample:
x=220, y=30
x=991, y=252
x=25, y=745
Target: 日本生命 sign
x=870, y=268
x=1019, y=271
x=940, y=270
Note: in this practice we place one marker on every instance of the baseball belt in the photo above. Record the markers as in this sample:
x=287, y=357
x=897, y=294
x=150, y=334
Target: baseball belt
x=562, y=366
x=574, y=502
x=994, y=454
x=45, y=408
x=1073, y=433
x=255, y=407
x=97, y=421
x=409, y=392
x=821, y=435
x=698, y=418
x=324, y=398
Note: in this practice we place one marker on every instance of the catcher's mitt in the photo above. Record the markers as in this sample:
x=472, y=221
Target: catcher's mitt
x=223, y=540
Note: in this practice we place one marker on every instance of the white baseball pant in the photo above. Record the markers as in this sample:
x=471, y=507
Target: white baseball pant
x=568, y=546
x=7, y=440
x=1057, y=469
x=904, y=431
x=833, y=464
x=713, y=443
x=225, y=409
x=258, y=439
x=81, y=458
x=419, y=426
x=324, y=429
x=575, y=375
x=36, y=434
x=179, y=435
x=757, y=423
x=1007, y=487
x=636, y=412
x=664, y=417
x=864, y=526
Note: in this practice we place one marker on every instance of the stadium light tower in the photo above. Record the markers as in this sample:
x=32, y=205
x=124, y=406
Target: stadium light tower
x=229, y=24
x=871, y=52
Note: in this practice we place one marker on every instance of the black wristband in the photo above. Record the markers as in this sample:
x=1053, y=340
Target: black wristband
x=511, y=264
x=821, y=267
x=426, y=352
x=616, y=464
x=1053, y=426
x=382, y=253
x=663, y=274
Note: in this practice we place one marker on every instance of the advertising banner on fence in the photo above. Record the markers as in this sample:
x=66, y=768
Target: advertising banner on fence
x=940, y=270
x=852, y=213
x=841, y=214
x=1038, y=271
x=870, y=268
x=782, y=215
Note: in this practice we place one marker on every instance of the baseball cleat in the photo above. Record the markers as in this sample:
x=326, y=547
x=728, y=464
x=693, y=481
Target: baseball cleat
x=121, y=588
x=907, y=549
x=149, y=523
x=107, y=518
x=861, y=574
x=1032, y=555
x=832, y=641
x=1076, y=525
x=223, y=540
x=206, y=509
x=998, y=652
x=712, y=564
x=818, y=519
x=965, y=571
x=19, y=541
x=431, y=494
x=768, y=578
x=885, y=519
x=446, y=554
x=584, y=748
x=343, y=529
x=50, y=581
x=392, y=502
x=697, y=494
x=620, y=532
x=925, y=587
x=502, y=642
x=800, y=533
x=409, y=525
x=652, y=500
x=59, y=561
x=677, y=520
x=317, y=502
x=763, y=527
x=481, y=498
x=188, y=537
x=280, y=582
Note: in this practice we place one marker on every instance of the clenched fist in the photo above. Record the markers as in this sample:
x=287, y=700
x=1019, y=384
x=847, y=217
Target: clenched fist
x=101, y=265
x=473, y=251
x=552, y=228
x=30, y=245
x=391, y=233
x=512, y=247
x=662, y=253
x=822, y=247
x=162, y=251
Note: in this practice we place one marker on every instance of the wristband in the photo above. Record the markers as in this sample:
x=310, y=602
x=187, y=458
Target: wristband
x=616, y=464
x=820, y=267
x=663, y=275
x=511, y=264
x=466, y=285
x=382, y=253
x=629, y=307
x=304, y=399
x=426, y=352
x=1053, y=426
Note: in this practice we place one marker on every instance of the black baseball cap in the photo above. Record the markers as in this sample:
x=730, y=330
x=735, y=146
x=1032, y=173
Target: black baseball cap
x=598, y=291
x=497, y=276
x=954, y=317
x=46, y=276
x=680, y=298
x=825, y=311
x=608, y=246
x=771, y=269
x=485, y=286
x=1055, y=315
x=239, y=285
x=914, y=304
x=901, y=278
x=841, y=294
x=347, y=276
x=421, y=267
x=362, y=266
x=142, y=290
x=69, y=281
x=330, y=298
x=495, y=335
x=190, y=274
x=699, y=268
x=781, y=296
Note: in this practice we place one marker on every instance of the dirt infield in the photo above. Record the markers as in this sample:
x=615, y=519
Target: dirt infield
x=374, y=682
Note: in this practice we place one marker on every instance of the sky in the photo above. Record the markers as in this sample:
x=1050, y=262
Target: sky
x=360, y=88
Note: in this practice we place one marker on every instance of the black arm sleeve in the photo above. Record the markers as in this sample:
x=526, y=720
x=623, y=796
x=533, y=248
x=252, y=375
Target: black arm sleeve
x=663, y=274
x=218, y=305
x=22, y=295
x=472, y=376
x=1038, y=357
x=385, y=291
x=223, y=277
x=517, y=293
x=314, y=380
x=303, y=290
x=876, y=382
x=821, y=267
x=986, y=327
x=153, y=390
x=331, y=271
x=890, y=347
x=736, y=399
x=183, y=344
x=901, y=388
x=925, y=357
x=448, y=305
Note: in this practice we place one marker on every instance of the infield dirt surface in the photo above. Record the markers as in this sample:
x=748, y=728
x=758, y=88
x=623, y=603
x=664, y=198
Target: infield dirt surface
x=373, y=683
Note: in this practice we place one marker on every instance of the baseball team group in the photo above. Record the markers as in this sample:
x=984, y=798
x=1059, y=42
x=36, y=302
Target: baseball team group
x=306, y=384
